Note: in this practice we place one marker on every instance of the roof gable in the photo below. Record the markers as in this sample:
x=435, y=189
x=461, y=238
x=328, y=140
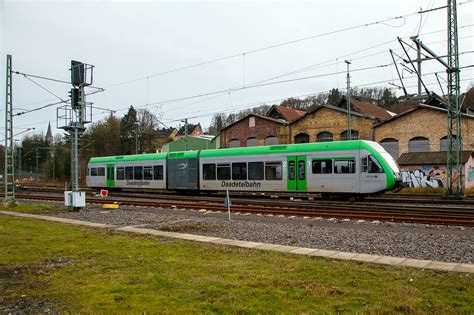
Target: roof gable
x=358, y=105
x=282, y=112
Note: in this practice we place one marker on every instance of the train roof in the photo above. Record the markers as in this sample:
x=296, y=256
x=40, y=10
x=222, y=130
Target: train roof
x=288, y=148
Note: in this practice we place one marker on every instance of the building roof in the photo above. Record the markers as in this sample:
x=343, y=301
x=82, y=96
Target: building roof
x=286, y=113
x=419, y=106
x=191, y=128
x=278, y=121
x=332, y=108
x=364, y=107
x=421, y=158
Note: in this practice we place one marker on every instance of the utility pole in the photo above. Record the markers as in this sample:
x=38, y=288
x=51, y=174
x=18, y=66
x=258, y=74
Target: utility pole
x=454, y=132
x=348, y=101
x=418, y=63
x=185, y=134
x=136, y=137
x=37, y=157
x=454, y=109
x=9, y=172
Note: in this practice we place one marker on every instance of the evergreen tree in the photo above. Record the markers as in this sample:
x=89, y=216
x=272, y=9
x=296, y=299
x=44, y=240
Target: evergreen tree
x=128, y=132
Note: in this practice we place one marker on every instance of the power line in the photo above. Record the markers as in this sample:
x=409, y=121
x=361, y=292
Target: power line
x=383, y=22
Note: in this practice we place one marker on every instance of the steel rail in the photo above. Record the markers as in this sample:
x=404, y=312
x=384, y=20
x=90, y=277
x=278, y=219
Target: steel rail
x=393, y=214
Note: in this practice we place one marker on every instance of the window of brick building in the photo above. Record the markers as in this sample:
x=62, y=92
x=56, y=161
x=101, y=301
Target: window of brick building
x=252, y=142
x=234, y=143
x=391, y=146
x=302, y=138
x=324, y=136
x=419, y=144
x=443, y=143
x=271, y=140
x=354, y=135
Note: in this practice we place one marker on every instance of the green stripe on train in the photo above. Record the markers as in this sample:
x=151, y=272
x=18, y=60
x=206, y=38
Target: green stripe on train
x=129, y=158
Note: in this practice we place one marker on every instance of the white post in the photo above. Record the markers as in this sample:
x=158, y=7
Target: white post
x=228, y=204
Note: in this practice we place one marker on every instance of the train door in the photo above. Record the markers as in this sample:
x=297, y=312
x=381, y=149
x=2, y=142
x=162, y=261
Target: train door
x=110, y=175
x=372, y=178
x=296, y=173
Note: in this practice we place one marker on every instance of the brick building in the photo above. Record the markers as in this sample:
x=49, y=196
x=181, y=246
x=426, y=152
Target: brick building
x=421, y=129
x=252, y=130
x=326, y=123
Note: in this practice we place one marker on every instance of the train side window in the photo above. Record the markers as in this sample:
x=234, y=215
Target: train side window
x=120, y=173
x=138, y=172
x=273, y=171
x=148, y=173
x=158, y=172
x=101, y=171
x=364, y=166
x=322, y=167
x=256, y=171
x=93, y=171
x=291, y=170
x=209, y=171
x=239, y=171
x=301, y=170
x=129, y=173
x=374, y=165
x=223, y=171
x=344, y=166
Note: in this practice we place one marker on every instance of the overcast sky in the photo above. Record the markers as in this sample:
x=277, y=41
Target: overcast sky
x=128, y=40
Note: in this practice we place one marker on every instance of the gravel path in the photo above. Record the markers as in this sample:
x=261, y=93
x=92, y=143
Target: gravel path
x=443, y=243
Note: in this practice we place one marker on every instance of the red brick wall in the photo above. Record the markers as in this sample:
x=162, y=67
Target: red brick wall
x=241, y=131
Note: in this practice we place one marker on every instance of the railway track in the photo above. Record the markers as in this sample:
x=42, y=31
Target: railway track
x=413, y=213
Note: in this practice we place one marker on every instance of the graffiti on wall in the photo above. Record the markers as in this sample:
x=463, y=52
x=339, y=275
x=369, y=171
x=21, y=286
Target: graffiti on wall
x=425, y=176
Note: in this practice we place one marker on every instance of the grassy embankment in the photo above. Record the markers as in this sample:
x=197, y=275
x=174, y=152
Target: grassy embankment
x=68, y=268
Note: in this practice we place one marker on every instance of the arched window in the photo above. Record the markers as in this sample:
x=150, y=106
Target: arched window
x=354, y=135
x=324, y=136
x=419, y=144
x=391, y=146
x=234, y=143
x=443, y=143
x=252, y=142
x=271, y=140
x=302, y=138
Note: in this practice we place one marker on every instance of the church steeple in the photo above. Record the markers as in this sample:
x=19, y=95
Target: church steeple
x=49, y=135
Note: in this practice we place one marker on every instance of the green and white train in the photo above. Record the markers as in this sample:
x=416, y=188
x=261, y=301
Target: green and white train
x=356, y=167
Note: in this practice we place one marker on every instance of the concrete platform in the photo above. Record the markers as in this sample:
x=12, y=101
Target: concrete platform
x=315, y=252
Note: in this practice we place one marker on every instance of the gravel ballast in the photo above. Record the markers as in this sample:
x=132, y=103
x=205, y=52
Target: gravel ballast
x=430, y=242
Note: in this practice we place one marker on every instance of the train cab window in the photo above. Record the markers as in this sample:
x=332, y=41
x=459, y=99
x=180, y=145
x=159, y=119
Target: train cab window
x=158, y=172
x=322, y=167
x=256, y=171
x=101, y=171
x=273, y=171
x=129, y=173
x=148, y=173
x=370, y=165
x=138, y=172
x=120, y=173
x=93, y=171
x=223, y=171
x=374, y=165
x=239, y=171
x=301, y=170
x=291, y=170
x=344, y=166
x=209, y=171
